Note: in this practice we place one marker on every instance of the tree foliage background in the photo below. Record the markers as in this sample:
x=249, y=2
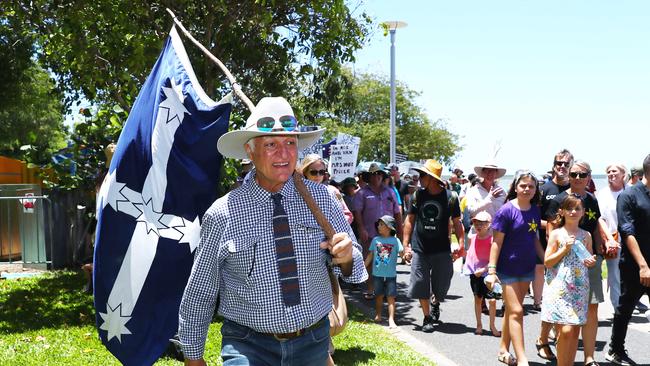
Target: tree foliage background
x=101, y=52
x=364, y=111
x=31, y=109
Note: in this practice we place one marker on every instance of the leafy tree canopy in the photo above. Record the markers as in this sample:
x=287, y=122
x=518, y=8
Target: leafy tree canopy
x=365, y=112
x=103, y=50
x=31, y=119
x=31, y=112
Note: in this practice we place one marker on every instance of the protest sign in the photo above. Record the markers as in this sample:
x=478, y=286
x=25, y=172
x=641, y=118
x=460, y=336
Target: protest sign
x=343, y=160
x=345, y=139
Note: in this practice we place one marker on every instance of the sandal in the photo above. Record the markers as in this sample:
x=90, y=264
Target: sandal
x=550, y=356
x=592, y=363
x=507, y=358
x=368, y=295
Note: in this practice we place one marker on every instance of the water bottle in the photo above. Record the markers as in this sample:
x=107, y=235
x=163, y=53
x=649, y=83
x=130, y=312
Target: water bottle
x=496, y=288
x=580, y=250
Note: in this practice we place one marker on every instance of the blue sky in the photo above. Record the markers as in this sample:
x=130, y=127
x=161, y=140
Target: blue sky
x=537, y=76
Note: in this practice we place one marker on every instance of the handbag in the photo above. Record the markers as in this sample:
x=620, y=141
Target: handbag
x=338, y=316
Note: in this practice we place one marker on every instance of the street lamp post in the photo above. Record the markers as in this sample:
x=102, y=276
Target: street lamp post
x=392, y=27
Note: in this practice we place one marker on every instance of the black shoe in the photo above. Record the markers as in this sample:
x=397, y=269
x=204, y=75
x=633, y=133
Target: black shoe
x=619, y=358
x=435, y=312
x=427, y=325
x=641, y=307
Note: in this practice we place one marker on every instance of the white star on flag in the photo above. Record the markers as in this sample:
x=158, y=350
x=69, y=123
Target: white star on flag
x=114, y=322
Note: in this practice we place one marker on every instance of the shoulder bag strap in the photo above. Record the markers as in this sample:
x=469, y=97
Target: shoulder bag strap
x=313, y=206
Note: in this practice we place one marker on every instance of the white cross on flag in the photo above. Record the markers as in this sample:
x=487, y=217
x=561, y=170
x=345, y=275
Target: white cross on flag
x=162, y=178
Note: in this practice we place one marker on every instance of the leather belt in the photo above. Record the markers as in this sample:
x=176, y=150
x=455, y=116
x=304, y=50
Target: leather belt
x=298, y=333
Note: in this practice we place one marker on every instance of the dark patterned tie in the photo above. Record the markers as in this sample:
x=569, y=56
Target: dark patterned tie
x=285, y=254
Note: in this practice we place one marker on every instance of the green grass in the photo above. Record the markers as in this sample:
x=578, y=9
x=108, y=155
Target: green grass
x=47, y=320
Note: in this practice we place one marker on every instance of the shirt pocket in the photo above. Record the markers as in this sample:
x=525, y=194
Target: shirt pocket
x=242, y=253
x=306, y=230
x=372, y=203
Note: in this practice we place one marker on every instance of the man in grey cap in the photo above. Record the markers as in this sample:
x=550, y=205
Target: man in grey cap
x=370, y=203
x=636, y=174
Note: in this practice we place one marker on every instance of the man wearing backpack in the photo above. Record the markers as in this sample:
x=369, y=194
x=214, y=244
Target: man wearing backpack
x=427, y=241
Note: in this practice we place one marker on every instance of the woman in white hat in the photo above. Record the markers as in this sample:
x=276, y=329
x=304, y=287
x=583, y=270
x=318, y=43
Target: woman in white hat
x=486, y=195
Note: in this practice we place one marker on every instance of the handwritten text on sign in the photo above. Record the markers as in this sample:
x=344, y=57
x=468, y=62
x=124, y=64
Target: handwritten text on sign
x=343, y=161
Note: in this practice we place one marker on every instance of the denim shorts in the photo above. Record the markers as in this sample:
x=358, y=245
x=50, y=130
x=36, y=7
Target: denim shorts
x=508, y=280
x=385, y=286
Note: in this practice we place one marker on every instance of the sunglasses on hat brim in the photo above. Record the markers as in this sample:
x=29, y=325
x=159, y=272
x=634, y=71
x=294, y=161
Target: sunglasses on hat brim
x=288, y=123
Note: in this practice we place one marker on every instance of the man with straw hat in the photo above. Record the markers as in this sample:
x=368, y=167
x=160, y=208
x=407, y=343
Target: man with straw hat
x=427, y=241
x=262, y=254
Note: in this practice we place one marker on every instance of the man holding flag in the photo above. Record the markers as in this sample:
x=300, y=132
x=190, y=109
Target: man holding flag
x=262, y=254
x=162, y=178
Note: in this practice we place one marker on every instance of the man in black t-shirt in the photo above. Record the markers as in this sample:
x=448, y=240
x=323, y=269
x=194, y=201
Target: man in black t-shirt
x=426, y=239
x=562, y=162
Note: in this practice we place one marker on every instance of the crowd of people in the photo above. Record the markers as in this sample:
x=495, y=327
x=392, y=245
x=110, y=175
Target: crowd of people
x=547, y=238
x=263, y=261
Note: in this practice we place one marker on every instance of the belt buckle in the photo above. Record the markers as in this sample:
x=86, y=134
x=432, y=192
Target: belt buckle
x=287, y=336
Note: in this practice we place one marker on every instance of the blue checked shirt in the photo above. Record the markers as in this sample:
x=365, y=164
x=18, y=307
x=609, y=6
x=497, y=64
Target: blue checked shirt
x=236, y=260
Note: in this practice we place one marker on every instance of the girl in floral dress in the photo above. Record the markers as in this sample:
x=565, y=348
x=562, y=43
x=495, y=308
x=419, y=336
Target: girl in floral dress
x=566, y=287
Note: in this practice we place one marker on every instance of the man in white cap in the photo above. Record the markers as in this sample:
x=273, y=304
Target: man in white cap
x=262, y=254
x=427, y=241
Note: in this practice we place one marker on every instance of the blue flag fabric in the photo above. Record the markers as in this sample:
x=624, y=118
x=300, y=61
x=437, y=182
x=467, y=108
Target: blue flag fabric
x=162, y=179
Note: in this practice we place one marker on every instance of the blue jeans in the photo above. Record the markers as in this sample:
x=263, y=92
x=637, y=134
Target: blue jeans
x=242, y=346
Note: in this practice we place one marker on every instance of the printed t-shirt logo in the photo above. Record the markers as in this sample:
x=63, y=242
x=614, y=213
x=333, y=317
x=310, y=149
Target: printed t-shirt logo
x=383, y=253
x=591, y=214
x=431, y=217
x=532, y=226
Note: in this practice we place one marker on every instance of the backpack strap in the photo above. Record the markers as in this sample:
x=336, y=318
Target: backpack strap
x=452, y=198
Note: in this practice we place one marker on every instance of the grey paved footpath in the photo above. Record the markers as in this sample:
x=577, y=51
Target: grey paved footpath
x=454, y=342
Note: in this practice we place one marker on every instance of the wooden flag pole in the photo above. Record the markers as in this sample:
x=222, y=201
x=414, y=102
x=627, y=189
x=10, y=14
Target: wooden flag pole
x=235, y=86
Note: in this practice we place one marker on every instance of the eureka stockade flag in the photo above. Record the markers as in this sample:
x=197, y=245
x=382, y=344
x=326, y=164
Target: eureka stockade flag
x=162, y=178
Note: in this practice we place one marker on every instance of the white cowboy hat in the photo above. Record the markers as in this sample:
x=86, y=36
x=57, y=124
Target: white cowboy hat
x=500, y=171
x=271, y=116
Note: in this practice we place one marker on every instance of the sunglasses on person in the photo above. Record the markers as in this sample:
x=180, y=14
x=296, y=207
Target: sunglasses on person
x=266, y=124
x=561, y=163
x=578, y=175
x=315, y=172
